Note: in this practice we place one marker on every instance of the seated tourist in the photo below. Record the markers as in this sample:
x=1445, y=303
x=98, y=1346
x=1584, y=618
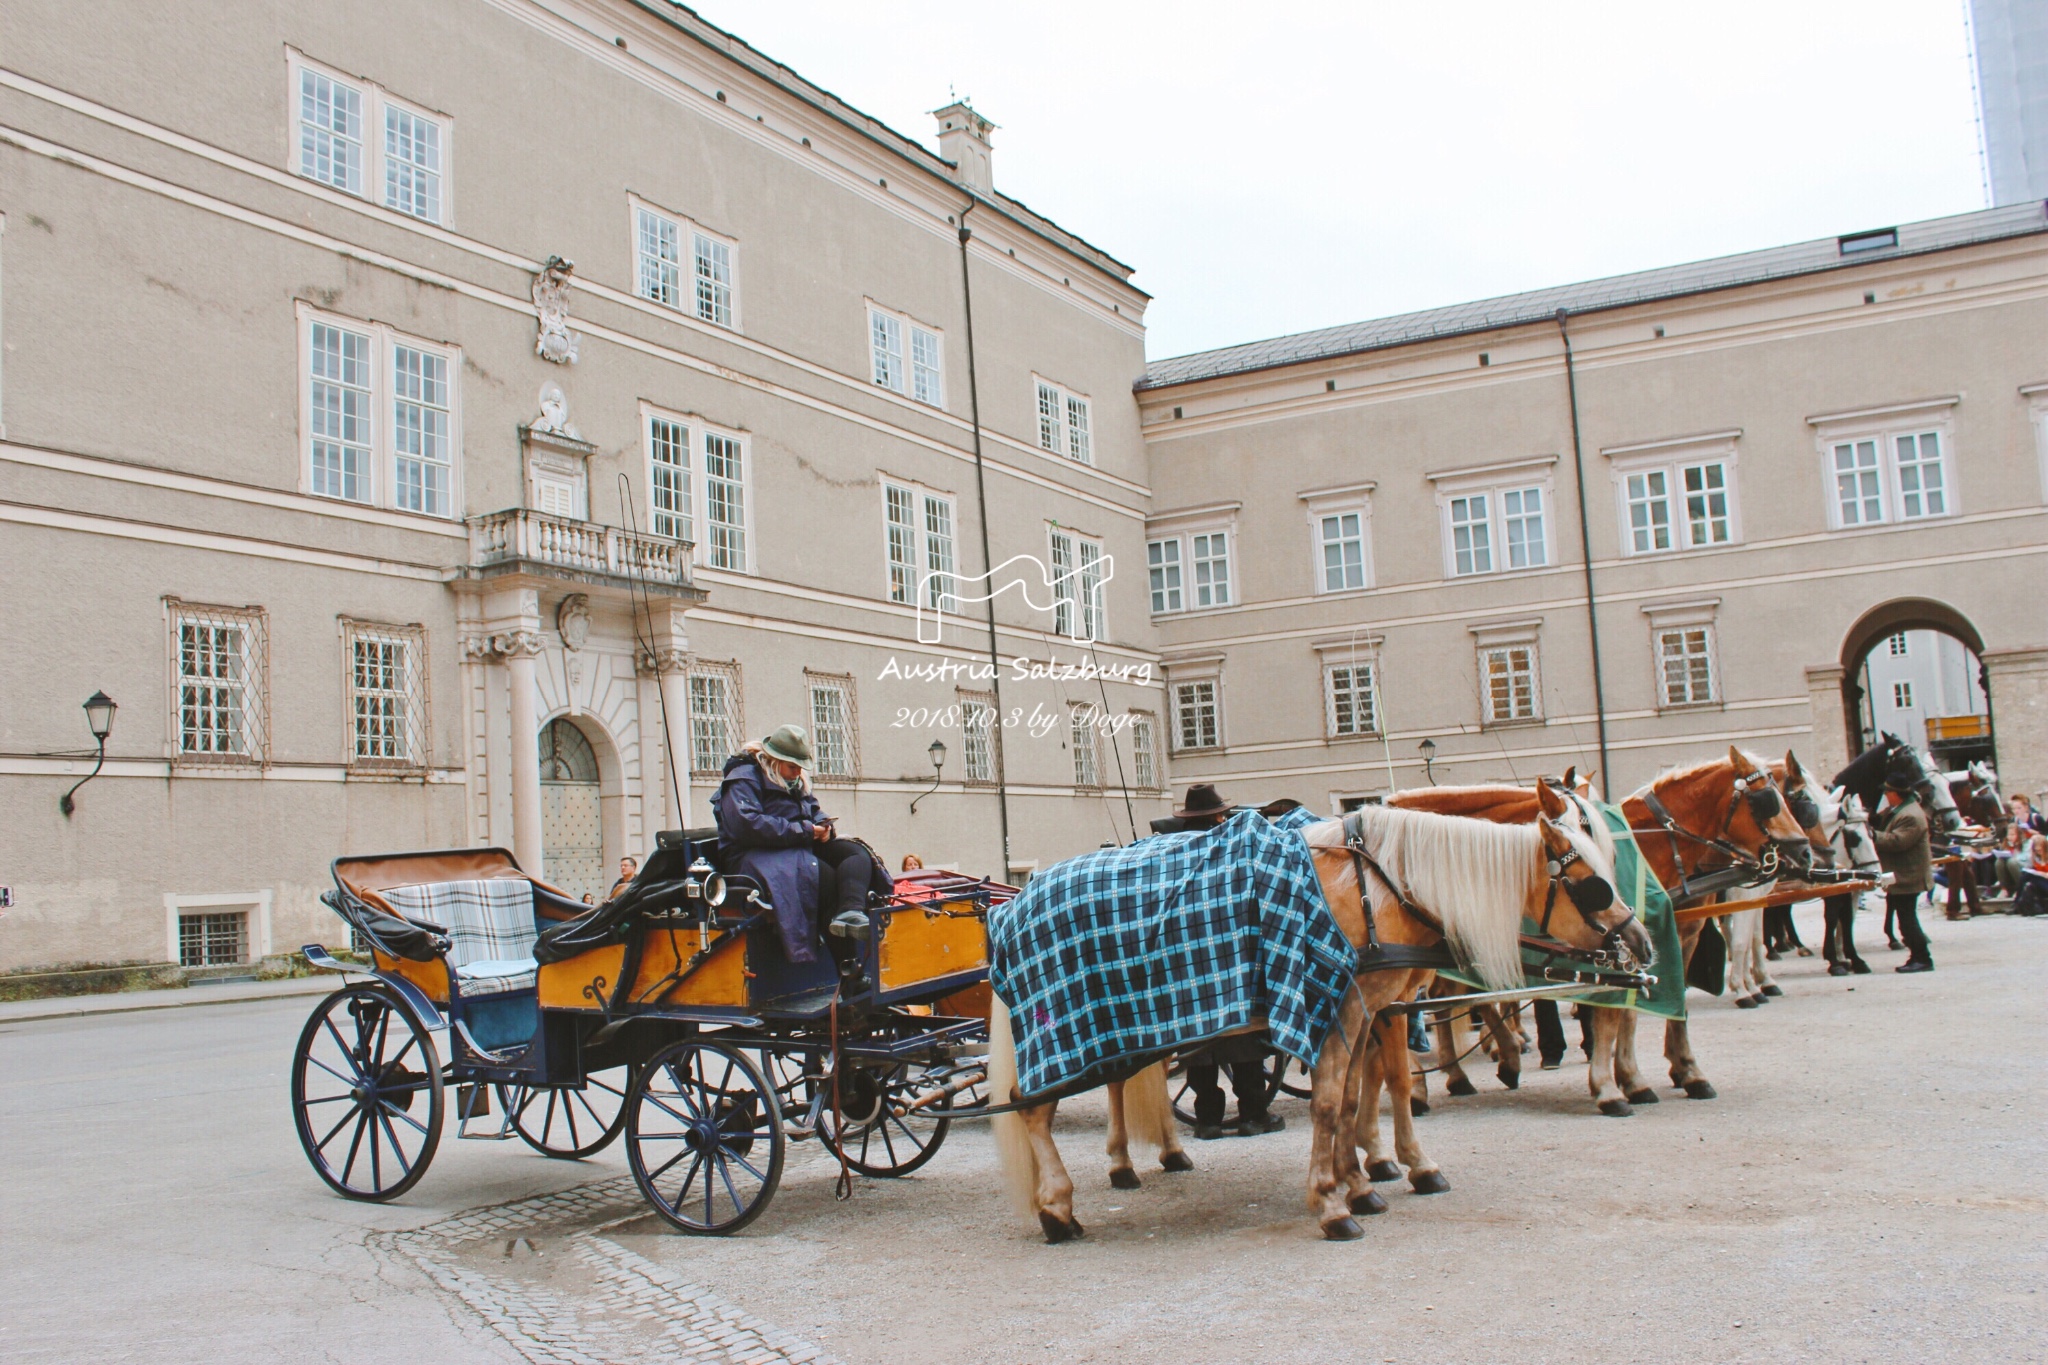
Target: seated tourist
x=773, y=830
x=2033, y=898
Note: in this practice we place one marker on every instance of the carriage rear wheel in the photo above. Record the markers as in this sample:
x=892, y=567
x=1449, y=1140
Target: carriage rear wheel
x=367, y=1094
x=569, y=1124
x=883, y=1135
x=704, y=1136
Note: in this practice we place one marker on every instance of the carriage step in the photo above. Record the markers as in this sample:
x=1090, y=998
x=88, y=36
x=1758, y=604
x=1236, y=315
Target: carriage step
x=473, y=1102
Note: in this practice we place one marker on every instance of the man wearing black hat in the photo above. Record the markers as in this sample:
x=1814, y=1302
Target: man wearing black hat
x=1900, y=833
x=1205, y=808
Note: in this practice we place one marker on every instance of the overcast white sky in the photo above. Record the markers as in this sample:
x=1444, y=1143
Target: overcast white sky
x=1274, y=169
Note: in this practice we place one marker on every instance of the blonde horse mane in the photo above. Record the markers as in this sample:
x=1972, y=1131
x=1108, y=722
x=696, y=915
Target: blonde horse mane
x=1014, y=1155
x=1474, y=876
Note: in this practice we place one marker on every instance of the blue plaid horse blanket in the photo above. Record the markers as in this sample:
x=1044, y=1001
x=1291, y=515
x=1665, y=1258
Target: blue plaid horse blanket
x=1117, y=957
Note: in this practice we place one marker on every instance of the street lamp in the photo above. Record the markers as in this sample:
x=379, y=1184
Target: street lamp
x=937, y=754
x=99, y=718
x=1428, y=747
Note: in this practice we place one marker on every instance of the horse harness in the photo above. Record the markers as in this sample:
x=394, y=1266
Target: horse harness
x=1588, y=895
x=1743, y=868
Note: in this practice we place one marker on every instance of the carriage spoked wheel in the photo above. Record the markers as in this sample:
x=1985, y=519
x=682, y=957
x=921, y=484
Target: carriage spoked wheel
x=367, y=1094
x=570, y=1124
x=882, y=1135
x=1284, y=1075
x=704, y=1136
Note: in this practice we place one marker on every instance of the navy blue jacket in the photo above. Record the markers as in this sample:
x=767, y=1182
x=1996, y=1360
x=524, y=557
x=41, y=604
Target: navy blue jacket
x=766, y=833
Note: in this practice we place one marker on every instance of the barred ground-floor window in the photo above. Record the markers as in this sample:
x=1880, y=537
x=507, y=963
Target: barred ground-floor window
x=219, y=674
x=717, y=718
x=386, y=678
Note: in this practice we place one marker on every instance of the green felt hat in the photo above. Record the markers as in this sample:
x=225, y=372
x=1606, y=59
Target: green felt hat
x=790, y=744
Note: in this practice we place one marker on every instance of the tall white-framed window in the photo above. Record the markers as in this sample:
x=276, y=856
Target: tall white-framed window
x=1888, y=465
x=1507, y=683
x=1197, y=715
x=359, y=138
x=699, y=487
x=1676, y=495
x=717, y=719
x=1340, y=537
x=978, y=738
x=906, y=356
x=220, y=683
x=381, y=420
x=1162, y=563
x=668, y=475
x=682, y=265
x=1898, y=645
x=1685, y=665
x=1144, y=751
x=1064, y=424
x=918, y=538
x=658, y=254
x=1209, y=559
x=1082, y=734
x=1080, y=606
x=385, y=675
x=1496, y=518
x=835, y=727
x=1351, y=704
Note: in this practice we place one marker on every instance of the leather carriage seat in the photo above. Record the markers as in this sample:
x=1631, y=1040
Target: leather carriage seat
x=491, y=929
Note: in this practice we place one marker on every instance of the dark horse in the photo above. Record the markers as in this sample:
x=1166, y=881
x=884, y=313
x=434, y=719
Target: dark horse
x=1865, y=777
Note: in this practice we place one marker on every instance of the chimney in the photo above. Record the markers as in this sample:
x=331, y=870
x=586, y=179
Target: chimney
x=963, y=140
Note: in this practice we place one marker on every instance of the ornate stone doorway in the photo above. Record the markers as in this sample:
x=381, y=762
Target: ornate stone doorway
x=571, y=813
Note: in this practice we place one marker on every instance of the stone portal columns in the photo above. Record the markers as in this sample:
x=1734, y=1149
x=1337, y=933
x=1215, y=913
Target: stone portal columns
x=520, y=650
x=1830, y=733
x=669, y=662
x=2019, y=717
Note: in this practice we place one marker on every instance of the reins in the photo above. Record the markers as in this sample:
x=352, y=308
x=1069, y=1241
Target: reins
x=1743, y=869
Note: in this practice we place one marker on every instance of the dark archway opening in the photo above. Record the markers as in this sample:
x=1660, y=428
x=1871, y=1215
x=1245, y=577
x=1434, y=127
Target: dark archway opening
x=1914, y=668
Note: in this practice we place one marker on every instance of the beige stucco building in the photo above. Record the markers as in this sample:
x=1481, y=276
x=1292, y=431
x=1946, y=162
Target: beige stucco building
x=1786, y=457
x=315, y=467
x=416, y=421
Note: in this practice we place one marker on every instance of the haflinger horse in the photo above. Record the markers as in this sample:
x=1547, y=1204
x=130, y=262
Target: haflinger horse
x=1399, y=884
x=1701, y=828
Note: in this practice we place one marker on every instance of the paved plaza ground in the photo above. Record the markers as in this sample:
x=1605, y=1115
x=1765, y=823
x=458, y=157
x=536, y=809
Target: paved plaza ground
x=1870, y=1186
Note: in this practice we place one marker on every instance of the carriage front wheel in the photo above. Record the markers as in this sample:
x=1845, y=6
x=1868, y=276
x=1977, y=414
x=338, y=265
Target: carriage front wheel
x=704, y=1136
x=367, y=1094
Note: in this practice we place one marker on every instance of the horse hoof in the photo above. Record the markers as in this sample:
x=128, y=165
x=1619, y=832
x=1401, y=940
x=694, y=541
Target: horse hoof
x=1368, y=1203
x=1700, y=1090
x=1616, y=1109
x=1428, y=1182
x=1417, y=1108
x=1123, y=1178
x=1057, y=1231
x=1176, y=1161
x=1643, y=1096
x=1382, y=1170
x=1746, y=1002
x=1461, y=1086
x=1773, y=989
x=1511, y=1079
x=1343, y=1230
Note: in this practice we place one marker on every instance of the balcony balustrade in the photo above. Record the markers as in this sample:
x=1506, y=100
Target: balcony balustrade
x=521, y=539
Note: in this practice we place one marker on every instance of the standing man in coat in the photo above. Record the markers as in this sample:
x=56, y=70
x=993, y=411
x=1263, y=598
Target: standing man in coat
x=1900, y=832
x=783, y=839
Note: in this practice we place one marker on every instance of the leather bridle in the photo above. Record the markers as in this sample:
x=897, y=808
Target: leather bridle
x=1743, y=867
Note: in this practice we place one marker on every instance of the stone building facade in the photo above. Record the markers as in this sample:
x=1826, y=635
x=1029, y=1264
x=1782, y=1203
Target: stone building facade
x=468, y=425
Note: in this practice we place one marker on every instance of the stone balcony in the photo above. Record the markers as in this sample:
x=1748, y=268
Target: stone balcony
x=523, y=542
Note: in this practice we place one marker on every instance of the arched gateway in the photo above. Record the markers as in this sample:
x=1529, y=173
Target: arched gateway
x=571, y=812
x=1914, y=667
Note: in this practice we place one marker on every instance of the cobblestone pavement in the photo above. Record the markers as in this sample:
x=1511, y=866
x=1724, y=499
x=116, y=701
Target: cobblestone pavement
x=563, y=1296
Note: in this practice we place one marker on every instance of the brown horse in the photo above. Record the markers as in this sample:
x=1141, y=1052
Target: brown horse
x=1433, y=882
x=1719, y=815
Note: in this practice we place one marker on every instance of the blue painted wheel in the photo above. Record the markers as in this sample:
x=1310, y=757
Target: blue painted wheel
x=704, y=1137
x=367, y=1094
x=571, y=1124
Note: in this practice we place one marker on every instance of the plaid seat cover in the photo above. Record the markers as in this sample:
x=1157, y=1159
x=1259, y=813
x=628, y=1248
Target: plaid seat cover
x=1132, y=952
x=491, y=929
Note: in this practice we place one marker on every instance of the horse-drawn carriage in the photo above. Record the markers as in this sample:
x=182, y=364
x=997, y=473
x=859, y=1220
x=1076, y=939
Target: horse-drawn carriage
x=670, y=1013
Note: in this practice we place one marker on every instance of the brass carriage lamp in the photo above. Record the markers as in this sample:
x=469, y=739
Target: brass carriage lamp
x=99, y=718
x=937, y=754
x=1428, y=747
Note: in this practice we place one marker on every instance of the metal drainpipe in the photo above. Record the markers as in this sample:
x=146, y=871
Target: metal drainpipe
x=995, y=658
x=1571, y=380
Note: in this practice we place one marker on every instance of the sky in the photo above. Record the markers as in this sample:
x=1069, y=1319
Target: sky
x=1275, y=170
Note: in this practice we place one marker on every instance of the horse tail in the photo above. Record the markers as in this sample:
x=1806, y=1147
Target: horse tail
x=1148, y=1115
x=1014, y=1154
